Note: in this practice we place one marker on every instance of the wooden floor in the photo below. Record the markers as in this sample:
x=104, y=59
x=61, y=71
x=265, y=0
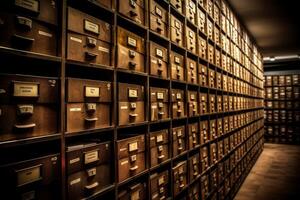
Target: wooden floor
x=275, y=176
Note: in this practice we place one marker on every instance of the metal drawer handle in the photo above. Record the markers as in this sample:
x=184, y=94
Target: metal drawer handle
x=91, y=119
x=90, y=56
x=133, y=13
x=23, y=40
x=25, y=126
x=134, y=168
x=161, y=157
x=92, y=186
x=133, y=115
x=132, y=65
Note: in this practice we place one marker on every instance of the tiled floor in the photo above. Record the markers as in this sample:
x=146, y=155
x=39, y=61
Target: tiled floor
x=275, y=176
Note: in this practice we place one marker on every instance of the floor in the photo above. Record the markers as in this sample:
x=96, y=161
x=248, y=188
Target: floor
x=275, y=176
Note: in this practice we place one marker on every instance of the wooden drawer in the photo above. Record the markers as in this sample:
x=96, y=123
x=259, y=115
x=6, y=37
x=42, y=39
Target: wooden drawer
x=179, y=173
x=203, y=103
x=133, y=192
x=88, y=49
x=194, y=167
x=225, y=103
x=217, y=58
x=158, y=19
x=212, y=129
x=210, y=54
x=210, y=28
x=220, y=150
x=202, y=47
x=177, y=66
x=130, y=51
x=84, y=24
x=158, y=60
x=192, y=71
x=203, y=75
x=204, y=134
x=213, y=179
x=25, y=102
x=89, y=104
x=219, y=103
x=219, y=80
x=133, y=9
x=216, y=14
x=191, y=11
x=202, y=21
x=88, y=166
x=220, y=127
x=178, y=4
x=213, y=153
x=179, y=140
x=131, y=157
x=26, y=34
x=159, y=147
x=159, y=99
x=159, y=184
x=194, y=192
x=204, y=187
x=204, y=159
x=36, y=178
x=211, y=78
x=295, y=79
x=131, y=103
x=192, y=103
x=194, y=139
x=176, y=31
x=212, y=103
x=191, y=40
x=209, y=7
x=178, y=103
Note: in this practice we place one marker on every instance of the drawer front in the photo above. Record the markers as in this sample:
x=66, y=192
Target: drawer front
x=87, y=49
x=26, y=34
x=204, y=135
x=194, y=166
x=176, y=31
x=37, y=178
x=194, y=192
x=178, y=4
x=133, y=9
x=202, y=47
x=211, y=54
x=193, y=135
x=219, y=103
x=201, y=21
x=86, y=156
x=130, y=166
x=193, y=103
x=131, y=112
x=213, y=129
x=211, y=78
x=219, y=80
x=213, y=153
x=210, y=29
x=178, y=104
x=217, y=58
x=179, y=173
x=130, y=59
x=159, y=154
x=158, y=26
x=131, y=146
x=85, y=24
x=204, y=187
x=26, y=120
x=220, y=127
x=133, y=192
x=159, y=185
x=220, y=150
x=204, y=159
x=84, y=90
x=192, y=71
x=158, y=60
x=85, y=183
x=131, y=41
x=191, y=40
x=177, y=66
x=203, y=75
x=86, y=116
x=131, y=92
x=159, y=103
x=191, y=11
x=203, y=103
x=179, y=140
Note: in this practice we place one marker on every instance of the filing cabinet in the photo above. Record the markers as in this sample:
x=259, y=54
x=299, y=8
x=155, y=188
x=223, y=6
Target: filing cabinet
x=204, y=109
x=159, y=98
x=191, y=11
x=88, y=39
x=177, y=66
x=178, y=103
x=212, y=103
x=133, y=191
x=158, y=60
x=178, y=5
x=159, y=19
x=88, y=168
x=203, y=74
x=192, y=76
x=191, y=40
x=211, y=78
x=24, y=103
x=177, y=31
x=202, y=47
x=159, y=185
x=204, y=134
x=194, y=191
x=194, y=167
x=89, y=104
x=213, y=153
x=179, y=172
x=159, y=147
x=192, y=103
x=204, y=187
x=131, y=156
x=204, y=159
x=179, y=140
x=131, y=103
x=131, y=49
x=194, y=139
x=24, y=33
x=133, y=10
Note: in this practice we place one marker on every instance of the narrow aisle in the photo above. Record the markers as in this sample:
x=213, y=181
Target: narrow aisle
x=275, y=176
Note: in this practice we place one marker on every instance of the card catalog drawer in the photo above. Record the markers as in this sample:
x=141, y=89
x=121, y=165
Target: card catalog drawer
x=158, y=60
x=194, y=139
x=178, y=103
x=177, y=67
x=192, y=71
x=159, y=103
x=159, y=183
x=133, y=9
x=159, y=147
x=179, y=140
x=194, y=167
x=179, y=173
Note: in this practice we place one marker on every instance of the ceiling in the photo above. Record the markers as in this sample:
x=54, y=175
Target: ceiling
x=274, y=24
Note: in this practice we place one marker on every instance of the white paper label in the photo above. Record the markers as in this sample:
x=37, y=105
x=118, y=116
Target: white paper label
x=75, y=160
x=75, y=109
x=90, y=26
x=132, y=93
x=103, y=49
x=76, y=39
x=159, y=138
x=160, y=95
x=78, y=180
x=133, y=146
x=131, y=41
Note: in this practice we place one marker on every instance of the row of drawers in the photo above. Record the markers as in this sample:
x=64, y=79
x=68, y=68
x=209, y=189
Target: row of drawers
x=282, y=116
x=282, y=104
x=282, y=80
x=282, y=92
x=282, y=130
x=89, y=170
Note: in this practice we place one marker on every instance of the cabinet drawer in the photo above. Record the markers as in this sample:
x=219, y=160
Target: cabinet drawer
x=194, y=139
x=159, y=185
x=179, y=173
x=204, y=159
x=158, y=60
x=178, y=103
x=192, y=103
x=202, y=47
x=194, y=167
x=133, y=192
x=203, y=103
x=133, y=9
x=158, y=19
x=159, y=98
x=212, y=129
x=213, y=153
x=191, y=40
x=159, y=147
x=203, y=75
x=191, y=11
x=177, y=67
x=179, y=140
x=178, y=4
x=192, y=71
